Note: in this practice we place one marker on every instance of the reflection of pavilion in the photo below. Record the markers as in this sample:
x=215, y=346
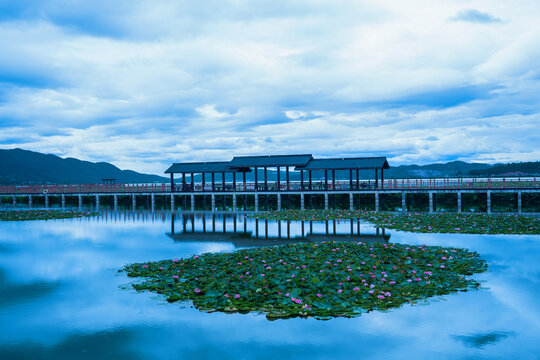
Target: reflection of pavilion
x=246, y=232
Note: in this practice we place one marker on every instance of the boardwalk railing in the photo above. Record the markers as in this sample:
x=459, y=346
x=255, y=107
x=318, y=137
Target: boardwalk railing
x=338, y=185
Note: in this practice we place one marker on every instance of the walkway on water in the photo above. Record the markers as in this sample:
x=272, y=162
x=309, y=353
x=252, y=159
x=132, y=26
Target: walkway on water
x=406, y=188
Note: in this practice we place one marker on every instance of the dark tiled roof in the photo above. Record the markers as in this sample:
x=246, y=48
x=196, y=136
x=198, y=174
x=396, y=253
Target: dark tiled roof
x=346, y=163
x=200, y=167
x=270, y=160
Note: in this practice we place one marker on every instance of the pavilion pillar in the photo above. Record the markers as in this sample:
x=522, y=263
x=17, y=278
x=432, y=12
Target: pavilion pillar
x=256, y=202
x=488, y=198
x=183, y=182
x=431, y=207
x=382, y=178
x=334, y=180
x=153, y=201
x=310, y=182
x=213, y=182
x=97, y=202
x=350, y=180
x=30, y=201
x=376, y=179
x=192, y=202
x=351, y=203
x=172, y=182
x=287, y=178
x=357, y=179
x=63, y=197
x=234, y=203
x=46, y=201
x=325, y=201
x=376, y=202
x=203, y=181
x=302, y=180
x=265, y=178
x=256, y=180
x=115, y=202
x=213, y=202
x=244, y=180
x=403, y=201
x=80, y=200
x=172, y=203
x=302, y=203
x=223, y=180
x=279, y=202
x=519, y=201
x=326, y=180
x=234, y=182
x=192, y=182
x=278, y=179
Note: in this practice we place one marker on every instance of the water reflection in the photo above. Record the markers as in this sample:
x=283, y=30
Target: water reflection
x=243, y=231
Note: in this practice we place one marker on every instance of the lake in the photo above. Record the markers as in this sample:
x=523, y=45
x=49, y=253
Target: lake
x=62, y=297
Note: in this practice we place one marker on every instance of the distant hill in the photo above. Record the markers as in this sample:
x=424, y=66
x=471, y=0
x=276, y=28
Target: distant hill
x=19, y=166
x=513, y=169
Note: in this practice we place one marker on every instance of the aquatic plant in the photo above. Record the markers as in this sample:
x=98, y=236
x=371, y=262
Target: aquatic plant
x=23, y=215
x=420, y=222
x=322, y=280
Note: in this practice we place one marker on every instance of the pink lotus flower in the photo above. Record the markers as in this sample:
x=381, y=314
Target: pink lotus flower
x=356, y=289
x=237, y=296
x=381, y=297
x=226, y=295
x=197, y=290
x=340, y=291
x=145, y=266
x=319, y=295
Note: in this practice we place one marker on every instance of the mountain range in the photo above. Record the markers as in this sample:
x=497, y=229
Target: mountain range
x=18, y=166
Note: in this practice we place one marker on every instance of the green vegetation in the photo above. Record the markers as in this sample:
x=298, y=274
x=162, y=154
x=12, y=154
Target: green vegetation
x=323, y=280
x=23, y=215
x=425, y=223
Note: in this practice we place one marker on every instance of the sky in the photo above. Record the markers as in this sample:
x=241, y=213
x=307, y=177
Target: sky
x=143, y=83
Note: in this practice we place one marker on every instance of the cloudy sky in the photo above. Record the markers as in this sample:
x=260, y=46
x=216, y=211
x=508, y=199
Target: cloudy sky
x=144, y=83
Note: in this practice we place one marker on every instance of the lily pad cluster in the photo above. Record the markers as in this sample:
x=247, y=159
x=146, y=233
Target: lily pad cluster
x=23, y=215
x=322, y=280
x=420, y=222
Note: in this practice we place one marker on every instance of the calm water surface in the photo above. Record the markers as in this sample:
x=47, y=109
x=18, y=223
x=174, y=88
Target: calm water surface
x=61, y=296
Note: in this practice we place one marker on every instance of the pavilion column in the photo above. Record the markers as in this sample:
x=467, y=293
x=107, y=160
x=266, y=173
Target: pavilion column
x=223, y=180
x=234, y=205
x=310, y=182
x=265, y=178
x=326, y=180
x=256, y=180
x=376, y=202
x=351, y=203
x=244, y=180
x=192, y=202
x=357, y=179
x=278, y=179
x=203, y=181
x=256, y=202
x=213, y=182
x=192, y=182
x=172, y=202
x=382, y=178
x=213, y=202
x=334, y=180
x=302, y=180
x=287, y=178
x=234, y=183
x=376, y=179
x=279, y=202
x=302, y=203
x=183, y=182
x=350, y=180
x=172, y=182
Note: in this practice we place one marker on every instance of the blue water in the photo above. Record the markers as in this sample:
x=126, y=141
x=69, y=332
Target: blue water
x=62, y=297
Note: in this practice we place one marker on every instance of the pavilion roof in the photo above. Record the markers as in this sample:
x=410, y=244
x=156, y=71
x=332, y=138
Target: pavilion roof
x=270, y=160
x=206, y=167
x=361, y=163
